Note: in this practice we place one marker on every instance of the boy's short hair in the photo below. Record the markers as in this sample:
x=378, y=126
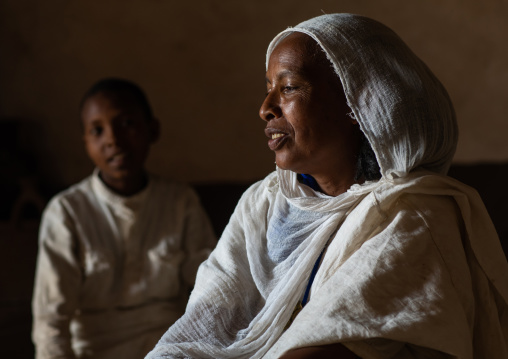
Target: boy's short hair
x=117, y=85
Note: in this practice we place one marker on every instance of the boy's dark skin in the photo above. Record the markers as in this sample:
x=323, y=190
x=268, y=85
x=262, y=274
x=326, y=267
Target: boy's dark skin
x=118, y=136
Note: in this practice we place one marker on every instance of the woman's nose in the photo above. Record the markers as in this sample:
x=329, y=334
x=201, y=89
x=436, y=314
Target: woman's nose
x=270, y=107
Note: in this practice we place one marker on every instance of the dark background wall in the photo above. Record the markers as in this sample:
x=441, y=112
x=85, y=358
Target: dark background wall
x=202, y=65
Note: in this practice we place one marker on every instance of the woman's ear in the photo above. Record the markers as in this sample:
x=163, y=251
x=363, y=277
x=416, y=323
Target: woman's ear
x=352, y=117
x=155, y=130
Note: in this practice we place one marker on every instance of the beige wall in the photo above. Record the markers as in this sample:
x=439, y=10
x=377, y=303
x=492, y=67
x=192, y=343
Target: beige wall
x=202, y=65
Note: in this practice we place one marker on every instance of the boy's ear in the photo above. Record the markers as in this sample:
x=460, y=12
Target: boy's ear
x=155, y=130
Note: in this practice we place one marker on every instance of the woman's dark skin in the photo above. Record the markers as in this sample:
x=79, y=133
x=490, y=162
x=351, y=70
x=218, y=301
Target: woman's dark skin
x=306, y=115
x=305, y=110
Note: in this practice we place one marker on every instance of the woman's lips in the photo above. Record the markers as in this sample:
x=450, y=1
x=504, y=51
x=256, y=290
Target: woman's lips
x=277, y=140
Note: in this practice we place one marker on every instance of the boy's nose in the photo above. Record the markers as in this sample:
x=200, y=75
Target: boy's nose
x=113, y=136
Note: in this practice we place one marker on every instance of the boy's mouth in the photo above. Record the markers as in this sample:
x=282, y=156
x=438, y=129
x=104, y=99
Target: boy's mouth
x=118, y=159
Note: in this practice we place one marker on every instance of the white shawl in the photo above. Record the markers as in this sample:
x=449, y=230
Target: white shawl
x=414, y=263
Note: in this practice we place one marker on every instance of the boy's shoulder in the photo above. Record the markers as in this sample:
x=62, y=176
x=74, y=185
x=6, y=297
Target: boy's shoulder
x=77, y=192
x=70, y=199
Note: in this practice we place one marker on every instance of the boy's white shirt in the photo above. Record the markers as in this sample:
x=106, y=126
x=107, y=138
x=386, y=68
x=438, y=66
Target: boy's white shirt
x=113, y=272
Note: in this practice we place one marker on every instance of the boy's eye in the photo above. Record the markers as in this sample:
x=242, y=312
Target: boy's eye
x=96, y=131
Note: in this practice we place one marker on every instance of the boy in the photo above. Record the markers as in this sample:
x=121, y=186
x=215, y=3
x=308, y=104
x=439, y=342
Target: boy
x=118, y=252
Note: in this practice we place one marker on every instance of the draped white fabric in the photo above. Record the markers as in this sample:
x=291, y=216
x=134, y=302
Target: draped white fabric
x=401, y=106
x=247, y=290
x=414, y=266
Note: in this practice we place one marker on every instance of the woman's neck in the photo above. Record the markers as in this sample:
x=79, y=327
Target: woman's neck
x=335, y=184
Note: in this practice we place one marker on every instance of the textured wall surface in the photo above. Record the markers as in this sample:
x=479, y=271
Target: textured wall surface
x=202, y=65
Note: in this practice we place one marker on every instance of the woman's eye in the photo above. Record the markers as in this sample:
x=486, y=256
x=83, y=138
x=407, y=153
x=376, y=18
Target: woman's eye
x=289, y=88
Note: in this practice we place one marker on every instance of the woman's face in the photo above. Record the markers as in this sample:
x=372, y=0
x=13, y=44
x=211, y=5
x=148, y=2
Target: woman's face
x=305, y=110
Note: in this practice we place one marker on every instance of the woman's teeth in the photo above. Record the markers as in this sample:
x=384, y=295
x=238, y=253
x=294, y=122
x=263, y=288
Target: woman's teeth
x=277, y=135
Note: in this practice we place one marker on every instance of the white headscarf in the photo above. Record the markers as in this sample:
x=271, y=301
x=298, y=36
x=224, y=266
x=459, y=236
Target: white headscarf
x=404, y=111
x=246, y=291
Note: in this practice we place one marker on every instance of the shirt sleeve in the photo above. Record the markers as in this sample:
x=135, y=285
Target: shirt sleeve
x=57, y=283
x=199, y=239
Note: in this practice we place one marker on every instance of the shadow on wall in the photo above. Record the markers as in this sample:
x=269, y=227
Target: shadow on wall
x=20, y=209
x=489, y=179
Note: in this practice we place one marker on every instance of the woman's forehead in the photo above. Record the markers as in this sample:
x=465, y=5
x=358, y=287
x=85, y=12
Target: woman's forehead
x=298, y=48
x=298, y=44
x=299, y=54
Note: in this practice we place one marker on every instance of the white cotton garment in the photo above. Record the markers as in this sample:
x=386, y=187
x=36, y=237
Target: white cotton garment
x=413, y=267
x=113, y=272
x=415, y=271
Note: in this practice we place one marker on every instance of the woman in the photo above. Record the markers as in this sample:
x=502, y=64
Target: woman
x=359, y=224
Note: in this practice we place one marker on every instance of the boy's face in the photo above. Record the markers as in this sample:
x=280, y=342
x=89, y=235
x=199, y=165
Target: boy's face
x=117, y=137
